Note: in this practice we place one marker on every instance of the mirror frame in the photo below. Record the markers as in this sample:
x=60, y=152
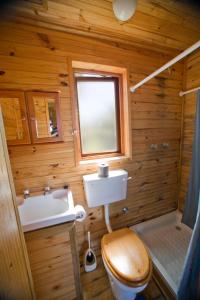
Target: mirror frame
x=32, y=118
x=22, y=103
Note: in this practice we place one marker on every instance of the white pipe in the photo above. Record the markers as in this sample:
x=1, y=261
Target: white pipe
x=166, y=66
x=107, y=217
x=182, y=93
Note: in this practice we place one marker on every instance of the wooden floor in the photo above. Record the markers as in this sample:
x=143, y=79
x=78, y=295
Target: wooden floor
x=96, y=286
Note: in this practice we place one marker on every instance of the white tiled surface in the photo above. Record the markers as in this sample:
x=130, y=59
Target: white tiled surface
x=167, y=239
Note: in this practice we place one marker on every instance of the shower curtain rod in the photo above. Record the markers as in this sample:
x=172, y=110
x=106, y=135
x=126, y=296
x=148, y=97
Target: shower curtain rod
x=182, y=93
x=167, y=65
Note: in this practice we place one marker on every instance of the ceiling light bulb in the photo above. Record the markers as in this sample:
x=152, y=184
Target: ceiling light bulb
x=124, y=9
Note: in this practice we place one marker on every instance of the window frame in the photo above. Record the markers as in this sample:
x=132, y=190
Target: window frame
x=106, y=76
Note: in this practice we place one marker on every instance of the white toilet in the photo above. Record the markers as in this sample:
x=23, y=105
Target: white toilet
x=125, y=257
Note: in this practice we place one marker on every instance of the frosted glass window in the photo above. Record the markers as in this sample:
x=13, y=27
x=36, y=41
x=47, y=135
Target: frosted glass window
x=98, y=115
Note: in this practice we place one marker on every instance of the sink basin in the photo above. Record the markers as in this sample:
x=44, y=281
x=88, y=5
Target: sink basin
x=60, y=194
x=46, y=210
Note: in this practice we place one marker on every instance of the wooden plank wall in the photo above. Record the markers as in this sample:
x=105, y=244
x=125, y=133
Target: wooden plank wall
x=36, y=58
x=192, y=80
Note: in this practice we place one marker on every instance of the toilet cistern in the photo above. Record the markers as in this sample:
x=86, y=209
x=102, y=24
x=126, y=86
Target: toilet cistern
x=105, y=190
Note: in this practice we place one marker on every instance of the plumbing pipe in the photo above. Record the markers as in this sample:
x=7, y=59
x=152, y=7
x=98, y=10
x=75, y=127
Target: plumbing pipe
x=107, y=217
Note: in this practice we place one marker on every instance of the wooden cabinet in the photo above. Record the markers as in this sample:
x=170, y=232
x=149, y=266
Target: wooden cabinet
x=15, y=117
x=44, y=116
x=31, y=117
x=54, y=262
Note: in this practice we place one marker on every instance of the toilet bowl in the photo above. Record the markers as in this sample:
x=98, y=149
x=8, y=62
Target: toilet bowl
x=127, y=263
x=120, y=290
x=124, y=255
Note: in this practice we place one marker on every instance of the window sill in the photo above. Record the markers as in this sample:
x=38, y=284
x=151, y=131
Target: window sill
x=100, y=160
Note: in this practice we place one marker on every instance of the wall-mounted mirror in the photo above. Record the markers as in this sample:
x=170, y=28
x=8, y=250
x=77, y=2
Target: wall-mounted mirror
x=14, y=117
x=44, y=112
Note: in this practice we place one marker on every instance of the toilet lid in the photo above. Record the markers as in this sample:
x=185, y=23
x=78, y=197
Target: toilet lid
x=126, y=255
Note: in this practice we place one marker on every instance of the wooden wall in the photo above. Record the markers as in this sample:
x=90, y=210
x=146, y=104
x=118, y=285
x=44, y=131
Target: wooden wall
x=36, y=58
x=192, y=80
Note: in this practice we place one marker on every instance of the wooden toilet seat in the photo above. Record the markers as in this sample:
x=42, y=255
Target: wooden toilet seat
x=127, y=257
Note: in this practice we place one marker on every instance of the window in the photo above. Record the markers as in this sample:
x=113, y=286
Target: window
x=100, y=113
x=98, y=103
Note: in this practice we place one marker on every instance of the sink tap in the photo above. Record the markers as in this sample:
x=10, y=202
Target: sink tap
x=47, y=190
x=26, y=194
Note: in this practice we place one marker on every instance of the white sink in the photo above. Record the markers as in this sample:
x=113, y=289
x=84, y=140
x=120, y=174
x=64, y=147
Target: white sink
x=46, y=210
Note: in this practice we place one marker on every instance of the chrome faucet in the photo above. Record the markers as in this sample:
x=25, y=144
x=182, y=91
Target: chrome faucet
x=47, y=190
x=26, y=194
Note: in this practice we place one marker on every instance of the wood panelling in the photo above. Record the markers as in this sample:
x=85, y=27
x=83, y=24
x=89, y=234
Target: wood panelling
x=36, y=58
x=51, y=255
x=192, y=80
x=15, y=276
x=157, y=24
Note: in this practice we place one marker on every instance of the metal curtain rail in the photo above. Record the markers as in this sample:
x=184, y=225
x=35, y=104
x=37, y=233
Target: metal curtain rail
x=167, y=65
x=182, y=93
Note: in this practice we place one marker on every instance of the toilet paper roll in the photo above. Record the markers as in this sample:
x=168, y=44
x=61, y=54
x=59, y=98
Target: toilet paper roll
x=103, y=170
x=80, y=213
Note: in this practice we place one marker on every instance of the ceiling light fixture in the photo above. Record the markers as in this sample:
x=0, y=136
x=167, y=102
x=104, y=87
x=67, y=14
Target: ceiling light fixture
x=124, y=9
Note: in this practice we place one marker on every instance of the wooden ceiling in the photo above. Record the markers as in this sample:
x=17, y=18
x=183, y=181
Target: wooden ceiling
x=166, y=26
